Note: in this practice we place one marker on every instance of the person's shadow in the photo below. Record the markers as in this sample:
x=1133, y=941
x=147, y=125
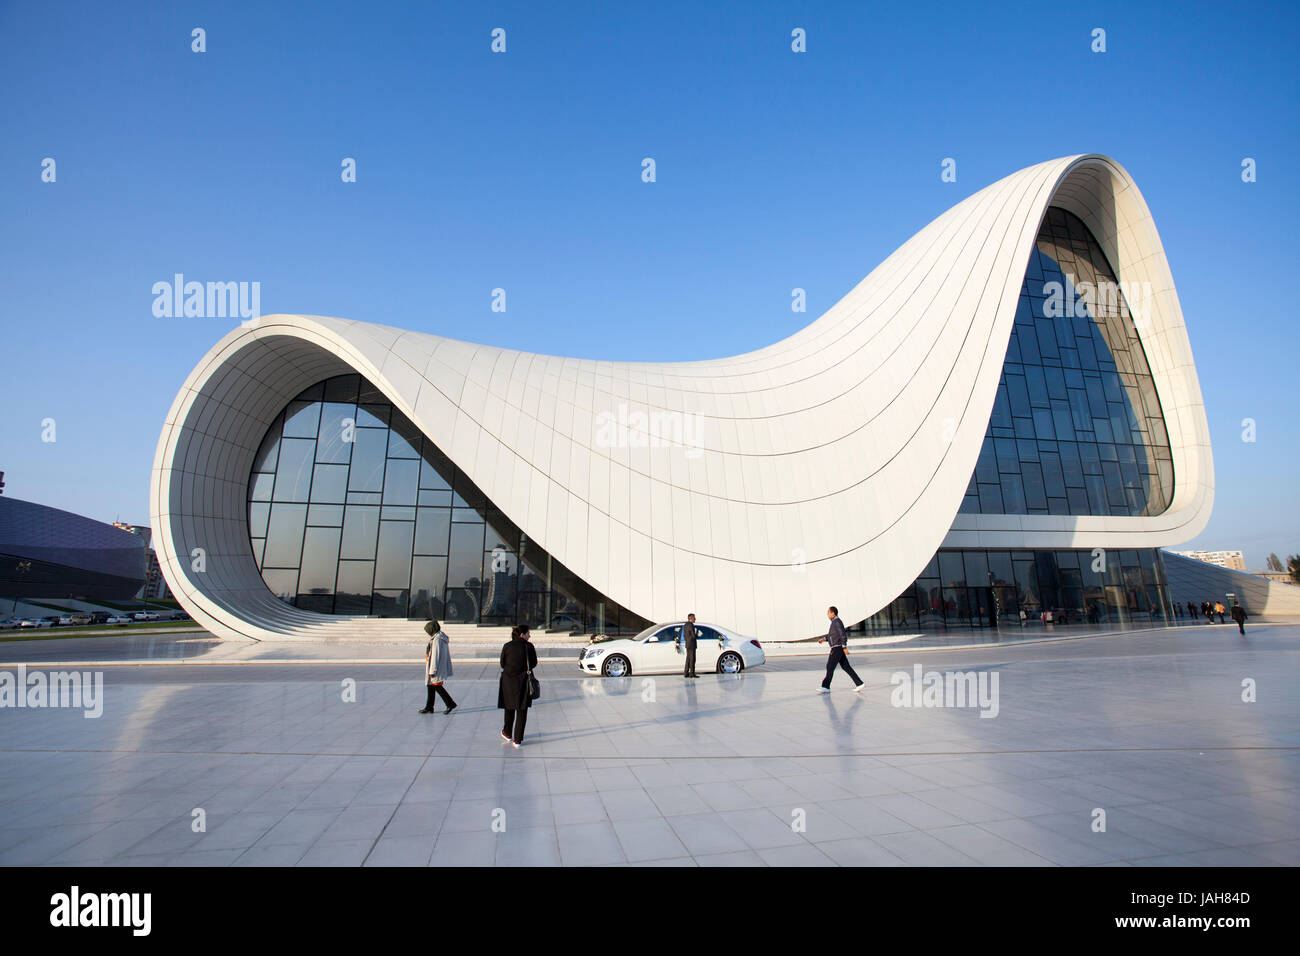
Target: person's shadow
x=842, y=720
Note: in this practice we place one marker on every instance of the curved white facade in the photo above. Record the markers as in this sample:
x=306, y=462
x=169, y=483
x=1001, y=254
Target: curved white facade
x=824, y=469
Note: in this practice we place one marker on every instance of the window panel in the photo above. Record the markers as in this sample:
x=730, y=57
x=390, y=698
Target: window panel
x=465, y=561
x=432, y=529
x=401, y=481
x=330, y=484
x=1013, y=494
x=990, y=498
x=282, y=582
x=258, y=516
x=428, y=582
x=403, y=440
x=369, y=450
x=284, y=535
x=268, y=453
x=260, y=487
x=302, y=420
x=328, y=515
x=320, y=559
x=360, y=532
x=342, y=389
x=373, y=416
x=1035, y=494
x=389, y=603
x=352, y=594
x=393, y=557
x=977, y=568
x=293, y=476
x=1001, y=417
x=952, y=569
x=337, y=429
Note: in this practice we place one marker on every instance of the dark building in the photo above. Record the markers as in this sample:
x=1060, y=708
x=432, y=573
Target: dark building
x=48, y=553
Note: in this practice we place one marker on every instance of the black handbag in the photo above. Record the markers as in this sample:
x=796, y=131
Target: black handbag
x=534, y=687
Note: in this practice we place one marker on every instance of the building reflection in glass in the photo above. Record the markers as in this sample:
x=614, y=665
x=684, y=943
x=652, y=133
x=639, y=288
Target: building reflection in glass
x=352, y=511
x=978, y=589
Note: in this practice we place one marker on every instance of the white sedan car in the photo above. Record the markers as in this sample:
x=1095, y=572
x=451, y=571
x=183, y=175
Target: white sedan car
x=659, y=650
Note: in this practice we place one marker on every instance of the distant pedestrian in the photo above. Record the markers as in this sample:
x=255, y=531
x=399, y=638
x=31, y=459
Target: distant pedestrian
x=839, y=642
x=1239, y=615
x=1208, y=610
x=1219, y=609
x=514, y=696
x=437, y=667
x=688, y=638
x=1191, y=611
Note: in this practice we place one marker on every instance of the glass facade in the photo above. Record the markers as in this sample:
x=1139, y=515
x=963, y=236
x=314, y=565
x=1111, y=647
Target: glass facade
x=352, y=511
x=962, y=589
x=1076, y=427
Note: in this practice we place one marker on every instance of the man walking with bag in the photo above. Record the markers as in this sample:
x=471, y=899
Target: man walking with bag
x=839, y=642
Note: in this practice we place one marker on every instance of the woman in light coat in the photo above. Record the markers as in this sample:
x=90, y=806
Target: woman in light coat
x=437, y=667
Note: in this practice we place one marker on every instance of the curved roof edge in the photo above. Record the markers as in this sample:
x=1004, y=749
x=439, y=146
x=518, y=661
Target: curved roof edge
x=757, y=489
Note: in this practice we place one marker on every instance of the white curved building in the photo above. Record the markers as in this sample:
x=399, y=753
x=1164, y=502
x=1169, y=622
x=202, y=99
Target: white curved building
x=1014, y=382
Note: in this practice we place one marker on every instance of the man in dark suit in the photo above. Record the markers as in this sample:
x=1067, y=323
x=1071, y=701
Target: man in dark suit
x=688, y=637
x=839, y=642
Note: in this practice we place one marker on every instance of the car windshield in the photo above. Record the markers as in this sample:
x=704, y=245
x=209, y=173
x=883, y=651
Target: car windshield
x=647, y=632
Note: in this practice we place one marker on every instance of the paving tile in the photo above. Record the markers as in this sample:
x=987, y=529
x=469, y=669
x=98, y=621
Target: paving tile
x=801, y=854
x=706, y=833
x=859, y=851
x=648, y=840
x=470, y=848
x=921, y=849
x=589, y=844
x=337, y=853
x=528, y=846
x=739, y=858
x=985, y=848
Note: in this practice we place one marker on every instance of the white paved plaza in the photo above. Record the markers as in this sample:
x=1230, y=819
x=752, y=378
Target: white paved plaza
x=758, y=769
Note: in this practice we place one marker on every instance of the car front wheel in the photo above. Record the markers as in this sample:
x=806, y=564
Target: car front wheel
x=616, y=665
x=730, y=663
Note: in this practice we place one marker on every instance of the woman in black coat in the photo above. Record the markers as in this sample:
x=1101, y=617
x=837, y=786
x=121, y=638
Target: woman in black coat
x=518, y=658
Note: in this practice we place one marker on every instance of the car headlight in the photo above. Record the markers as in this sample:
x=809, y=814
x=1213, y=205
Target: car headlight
x=595, y=651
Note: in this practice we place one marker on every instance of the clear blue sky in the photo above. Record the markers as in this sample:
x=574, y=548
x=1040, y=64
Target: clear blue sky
x=522, y=171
